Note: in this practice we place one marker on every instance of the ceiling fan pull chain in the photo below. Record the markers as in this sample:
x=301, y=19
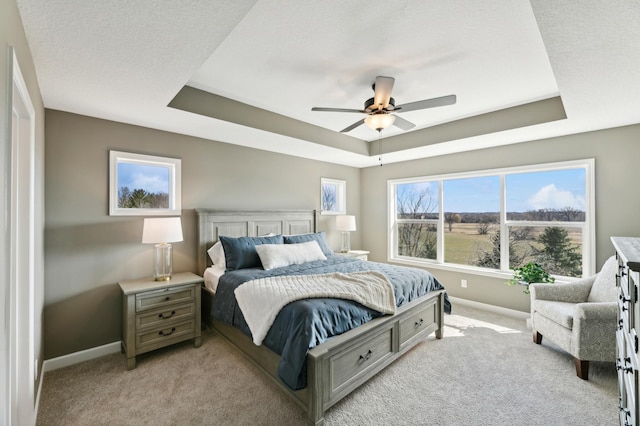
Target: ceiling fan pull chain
x=380, y=147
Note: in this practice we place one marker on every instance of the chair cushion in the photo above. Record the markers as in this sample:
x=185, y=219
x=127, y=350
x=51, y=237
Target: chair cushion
x=559, y=312
x=604, y=286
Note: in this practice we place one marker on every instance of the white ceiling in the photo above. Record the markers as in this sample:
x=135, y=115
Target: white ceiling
x=126, y=60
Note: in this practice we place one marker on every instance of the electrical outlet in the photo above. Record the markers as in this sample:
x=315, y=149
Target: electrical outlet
x=463, y=283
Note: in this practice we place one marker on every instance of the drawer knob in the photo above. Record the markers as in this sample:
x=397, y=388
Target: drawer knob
x=167, y=298
x=366, y=356
x=162, y=333
x=418, y=323
x=161, y=315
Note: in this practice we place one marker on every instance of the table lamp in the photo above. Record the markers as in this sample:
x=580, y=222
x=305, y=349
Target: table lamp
x=161, y=232
x=346, y=224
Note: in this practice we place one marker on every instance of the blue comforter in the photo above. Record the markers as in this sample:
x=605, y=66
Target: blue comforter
x=304, y=324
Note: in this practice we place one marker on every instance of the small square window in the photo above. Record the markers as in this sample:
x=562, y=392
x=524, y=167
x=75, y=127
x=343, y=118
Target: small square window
x=333, y=196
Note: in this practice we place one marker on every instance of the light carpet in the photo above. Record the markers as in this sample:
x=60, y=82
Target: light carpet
x=485, y=371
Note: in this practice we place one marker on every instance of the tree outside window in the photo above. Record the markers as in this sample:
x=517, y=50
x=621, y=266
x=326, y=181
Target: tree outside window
x=333, y=196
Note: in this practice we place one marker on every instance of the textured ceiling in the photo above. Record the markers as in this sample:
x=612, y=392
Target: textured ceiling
x=265, y=63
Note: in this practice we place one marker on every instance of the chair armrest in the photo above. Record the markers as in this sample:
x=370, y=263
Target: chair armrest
x=574, y=292
x=594, y=331
x=596, y=311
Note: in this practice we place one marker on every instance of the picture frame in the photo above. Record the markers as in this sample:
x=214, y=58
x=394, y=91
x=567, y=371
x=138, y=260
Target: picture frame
x=333, y=196
x=144, y=185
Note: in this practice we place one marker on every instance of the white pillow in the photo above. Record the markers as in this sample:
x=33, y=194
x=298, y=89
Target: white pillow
x=279, y=255
x=216, y=254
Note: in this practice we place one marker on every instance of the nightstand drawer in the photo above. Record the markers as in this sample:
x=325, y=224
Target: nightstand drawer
x=161, y=298
x=161, y=334
x=163, y=317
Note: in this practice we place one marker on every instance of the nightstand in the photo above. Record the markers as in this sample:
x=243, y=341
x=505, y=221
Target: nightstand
x=358, y=254
x=156, y=314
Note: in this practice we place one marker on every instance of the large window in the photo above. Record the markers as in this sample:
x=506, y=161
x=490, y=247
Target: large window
x=497, y=219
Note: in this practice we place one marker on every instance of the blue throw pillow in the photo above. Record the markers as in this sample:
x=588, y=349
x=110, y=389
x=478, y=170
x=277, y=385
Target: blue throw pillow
x=320, y=237
x=240, y=253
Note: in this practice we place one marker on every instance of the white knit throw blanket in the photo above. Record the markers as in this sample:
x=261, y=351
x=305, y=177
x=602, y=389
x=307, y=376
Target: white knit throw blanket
x=262, y=299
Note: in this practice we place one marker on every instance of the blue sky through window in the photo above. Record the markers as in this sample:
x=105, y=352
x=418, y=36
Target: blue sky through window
x=153, y=179
x=554, y=189
x=472, y=195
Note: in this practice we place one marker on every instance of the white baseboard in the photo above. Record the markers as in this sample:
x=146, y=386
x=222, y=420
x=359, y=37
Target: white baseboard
x=491, y=308
x=81, y=356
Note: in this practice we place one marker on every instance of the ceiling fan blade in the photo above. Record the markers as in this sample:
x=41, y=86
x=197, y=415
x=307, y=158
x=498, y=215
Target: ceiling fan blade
x=403, y=124
x=427, y=103
x=382, y=95
x=338, y=110
x=353, y=126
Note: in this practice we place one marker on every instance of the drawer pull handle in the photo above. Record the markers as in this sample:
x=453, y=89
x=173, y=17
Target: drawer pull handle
x=162, y=333
x=418, y=323
x=624, y=299
x=161, y=315
x=366, y=356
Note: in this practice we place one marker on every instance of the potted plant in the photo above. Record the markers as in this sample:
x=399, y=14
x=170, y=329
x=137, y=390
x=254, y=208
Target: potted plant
x=530, y=273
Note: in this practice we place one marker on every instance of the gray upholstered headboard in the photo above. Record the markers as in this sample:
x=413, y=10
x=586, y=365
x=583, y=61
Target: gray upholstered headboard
x=248, y=223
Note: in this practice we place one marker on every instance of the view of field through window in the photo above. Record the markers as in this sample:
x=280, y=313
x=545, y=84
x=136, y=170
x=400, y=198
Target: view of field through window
x=545, y=219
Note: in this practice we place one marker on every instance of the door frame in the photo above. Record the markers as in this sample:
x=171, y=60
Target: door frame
x=22, y=360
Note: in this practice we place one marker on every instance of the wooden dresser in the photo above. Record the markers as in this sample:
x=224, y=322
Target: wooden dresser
x=156, y=314
x=627, y=280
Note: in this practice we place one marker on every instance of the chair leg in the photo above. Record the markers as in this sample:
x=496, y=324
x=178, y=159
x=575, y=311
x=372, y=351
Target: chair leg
x=582, y=368
x=537, y=337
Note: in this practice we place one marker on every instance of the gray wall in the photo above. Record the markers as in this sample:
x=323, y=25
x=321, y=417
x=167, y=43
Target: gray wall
x=12, y=36
x=617, y=174
x=88, y=251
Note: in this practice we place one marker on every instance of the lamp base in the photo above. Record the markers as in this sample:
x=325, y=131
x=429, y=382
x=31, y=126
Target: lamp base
x=162, y=262
x=345, y=245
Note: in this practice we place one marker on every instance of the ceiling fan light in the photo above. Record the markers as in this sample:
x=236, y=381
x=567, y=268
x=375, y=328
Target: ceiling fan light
x=379, y=121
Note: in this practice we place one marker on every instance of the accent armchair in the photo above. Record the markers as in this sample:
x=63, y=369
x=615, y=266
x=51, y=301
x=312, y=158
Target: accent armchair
x=580, y=317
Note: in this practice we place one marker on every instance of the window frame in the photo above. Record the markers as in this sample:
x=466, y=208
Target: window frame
x=172, y=165
x=588, y=226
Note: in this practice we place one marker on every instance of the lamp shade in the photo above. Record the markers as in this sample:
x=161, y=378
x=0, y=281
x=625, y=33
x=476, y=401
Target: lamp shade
x=346, y=223
x=379, y=121
x=161, y=230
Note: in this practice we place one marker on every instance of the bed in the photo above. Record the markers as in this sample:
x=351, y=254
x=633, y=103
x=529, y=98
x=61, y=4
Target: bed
x=336, y=365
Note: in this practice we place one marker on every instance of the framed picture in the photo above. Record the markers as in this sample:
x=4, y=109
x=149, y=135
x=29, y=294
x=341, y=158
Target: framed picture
x=143, y=185
x=333, y=196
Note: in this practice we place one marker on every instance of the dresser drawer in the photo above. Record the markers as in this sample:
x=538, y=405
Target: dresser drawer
x=624, y=310
x=417, y=323
x=159, y=299
x=629, y=398
x=159, y=335
x=164, y=317
x=357, y=360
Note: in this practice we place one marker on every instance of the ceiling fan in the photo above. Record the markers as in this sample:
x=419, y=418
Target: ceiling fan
x=379, y=109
